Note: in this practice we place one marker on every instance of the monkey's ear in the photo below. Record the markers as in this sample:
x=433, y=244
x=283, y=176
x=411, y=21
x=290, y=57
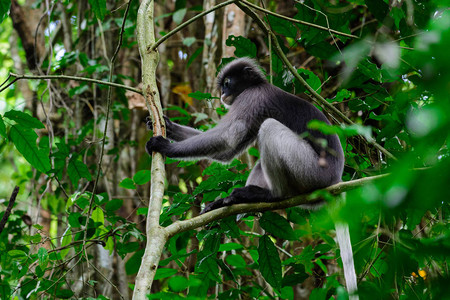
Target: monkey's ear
x=249, y=73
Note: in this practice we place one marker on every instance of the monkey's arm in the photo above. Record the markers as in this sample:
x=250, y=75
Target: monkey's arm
x=176, y=132
x=221, y=143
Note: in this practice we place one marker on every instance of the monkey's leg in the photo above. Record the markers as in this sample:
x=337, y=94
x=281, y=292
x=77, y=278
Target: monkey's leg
x=290, y=164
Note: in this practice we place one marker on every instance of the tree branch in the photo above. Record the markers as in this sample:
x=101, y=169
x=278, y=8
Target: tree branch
x=221, y=213
x=12, y=199
x=298, y=21
x=156, y=236
x=66, y=77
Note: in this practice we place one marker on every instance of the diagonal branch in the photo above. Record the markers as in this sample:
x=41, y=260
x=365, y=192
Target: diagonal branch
x=221, y=213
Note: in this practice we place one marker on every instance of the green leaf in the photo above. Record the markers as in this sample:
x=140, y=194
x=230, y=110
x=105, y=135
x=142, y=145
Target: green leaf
x=4, y=8
x=370, y=70
x=282, y=26
x=236, y=261
x=379, y=9
x=275, y=224
x=209, y=267
x=202, y=96
x=114, y=205
x=2, y=127
x=189, y=41
x=98, y=216
x=230, y=246
x=178, y=16
x=24, y=119
x=142, y=177
x=133, y=264
x=311, y=79
x=64, y=294
x=25, y=141
x=127, y=183
x=17, y=254
x=42, y=257
x=99, y=8
x=178, y=283
x=76, y=170
x=164, y=273
x=269, y=262
x=244, y=47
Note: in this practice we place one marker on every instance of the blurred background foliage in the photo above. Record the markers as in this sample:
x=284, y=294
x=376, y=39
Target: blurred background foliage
x=391, y=80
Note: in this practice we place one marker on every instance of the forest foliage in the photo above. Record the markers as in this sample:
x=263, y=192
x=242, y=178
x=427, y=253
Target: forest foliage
x=84, y=191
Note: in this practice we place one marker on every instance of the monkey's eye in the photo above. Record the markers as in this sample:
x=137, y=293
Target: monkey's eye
x=226, y=82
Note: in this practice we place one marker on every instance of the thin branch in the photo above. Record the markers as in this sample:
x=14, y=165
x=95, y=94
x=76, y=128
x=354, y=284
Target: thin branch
x=316, y=97
x=105, y=132
x=221, y=213
x=328, y=29
x=12, y=200
x=67, y=77
x=183, y=25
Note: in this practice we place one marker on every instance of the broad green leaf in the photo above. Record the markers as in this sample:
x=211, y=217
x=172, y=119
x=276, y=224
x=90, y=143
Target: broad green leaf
x=4, y=8
x=244, y=47
x=133, y=264
x=178, y=283
x=178, y=16
x=189, y=41
x=164, y=273
x=127, y=183
x=370, y=70
x=42, y=257
x=275, y=224
x=25, y=141
x=236, y=261
x=17, y=254
x=142, y=177
x=76, y=170
x=114, y=205
x=311, y=79
x=282, y=26
x=209, y=266
x=269, y=262
x=99, y=8
x=24, y=119
x=98, y=216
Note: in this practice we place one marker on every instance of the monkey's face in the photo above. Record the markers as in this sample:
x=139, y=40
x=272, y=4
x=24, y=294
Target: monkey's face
x=227, y=97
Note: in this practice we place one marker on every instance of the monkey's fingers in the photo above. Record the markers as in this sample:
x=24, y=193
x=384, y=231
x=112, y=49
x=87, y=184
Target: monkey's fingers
x=213, y=205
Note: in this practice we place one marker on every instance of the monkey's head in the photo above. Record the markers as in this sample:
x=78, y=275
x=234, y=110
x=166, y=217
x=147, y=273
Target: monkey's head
x=237, y=76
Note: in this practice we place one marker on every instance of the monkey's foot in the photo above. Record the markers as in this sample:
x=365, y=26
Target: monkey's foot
x=248, y=194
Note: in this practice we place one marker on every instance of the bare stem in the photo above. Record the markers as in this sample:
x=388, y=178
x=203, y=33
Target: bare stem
x=67, y=77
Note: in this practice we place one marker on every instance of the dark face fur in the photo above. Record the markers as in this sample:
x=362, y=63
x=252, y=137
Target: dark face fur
x=236, y=77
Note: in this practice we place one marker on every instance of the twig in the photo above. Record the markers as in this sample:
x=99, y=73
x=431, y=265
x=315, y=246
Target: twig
x=67, y=77
x=298, y=21
x=12, y=200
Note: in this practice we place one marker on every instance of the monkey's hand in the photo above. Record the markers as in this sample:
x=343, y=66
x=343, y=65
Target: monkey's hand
x=169, y=124
x=157, y=144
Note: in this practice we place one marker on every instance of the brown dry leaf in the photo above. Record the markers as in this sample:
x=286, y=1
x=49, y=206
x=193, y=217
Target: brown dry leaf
x=183, y=90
